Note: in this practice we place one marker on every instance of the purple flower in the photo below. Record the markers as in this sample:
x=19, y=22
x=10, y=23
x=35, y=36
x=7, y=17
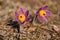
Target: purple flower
x=42, y=13
x=21, y=17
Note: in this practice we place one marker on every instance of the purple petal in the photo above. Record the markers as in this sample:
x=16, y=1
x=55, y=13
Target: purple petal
x=21, y=23
x=45, y=7
x=39, y=10
x=45, y=19
x=26, y=13
x=48, y=13
x=39, y=19
x=27, y=19
x=16, y=16
x=21, y=10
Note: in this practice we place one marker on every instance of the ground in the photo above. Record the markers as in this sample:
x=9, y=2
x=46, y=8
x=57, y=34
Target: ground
x=33, y=30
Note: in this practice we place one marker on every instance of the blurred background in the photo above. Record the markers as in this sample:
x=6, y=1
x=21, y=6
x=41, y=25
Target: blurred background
x=36, y=30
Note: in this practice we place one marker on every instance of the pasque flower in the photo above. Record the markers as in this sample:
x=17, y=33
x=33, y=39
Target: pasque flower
x=42, y=13
x=21, y=17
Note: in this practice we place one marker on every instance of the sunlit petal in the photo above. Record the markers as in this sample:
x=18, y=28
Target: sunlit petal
x=48, y=13
x=21, y=10
x=39, y=19
x=45, y=19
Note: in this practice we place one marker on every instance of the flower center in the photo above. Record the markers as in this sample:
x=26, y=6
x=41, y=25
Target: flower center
x=42, y=13
x=21, y=17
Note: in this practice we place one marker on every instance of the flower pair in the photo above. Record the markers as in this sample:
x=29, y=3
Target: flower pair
x=22, y=17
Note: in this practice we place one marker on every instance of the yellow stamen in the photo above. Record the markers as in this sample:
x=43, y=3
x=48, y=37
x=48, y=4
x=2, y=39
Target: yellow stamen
x=21, y=17
x=42, y=13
